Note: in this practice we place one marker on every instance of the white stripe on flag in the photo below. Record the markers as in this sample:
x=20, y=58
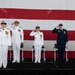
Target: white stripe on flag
x=49, y=45
x=44, y=24
x=39, y=4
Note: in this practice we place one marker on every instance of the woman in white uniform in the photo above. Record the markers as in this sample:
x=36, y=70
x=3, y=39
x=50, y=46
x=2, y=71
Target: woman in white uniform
x=38, y=43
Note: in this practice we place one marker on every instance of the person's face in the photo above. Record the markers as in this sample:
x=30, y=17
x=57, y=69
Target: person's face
x=16, y=24
x=37, y=29
x=60, y=27
x=3, y=25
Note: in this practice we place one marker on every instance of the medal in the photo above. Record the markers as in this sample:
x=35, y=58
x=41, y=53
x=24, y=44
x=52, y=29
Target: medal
x=6, y=32
x=58, y=30
x=19, y=30
x=64, y=32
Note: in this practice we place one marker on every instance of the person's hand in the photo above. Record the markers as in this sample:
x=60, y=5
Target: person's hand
x=57, y=27
x=21, y=43
x=12, y=23
x=34, y=30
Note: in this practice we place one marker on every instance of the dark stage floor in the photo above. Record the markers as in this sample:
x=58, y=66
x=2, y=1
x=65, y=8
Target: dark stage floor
x=48, y=65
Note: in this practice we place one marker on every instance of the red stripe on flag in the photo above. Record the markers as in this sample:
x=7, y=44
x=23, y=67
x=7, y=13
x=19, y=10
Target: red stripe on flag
x=48, y=35
x=37, y=14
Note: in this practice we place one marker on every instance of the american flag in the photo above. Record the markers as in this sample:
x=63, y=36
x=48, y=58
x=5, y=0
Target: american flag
x=45, y=13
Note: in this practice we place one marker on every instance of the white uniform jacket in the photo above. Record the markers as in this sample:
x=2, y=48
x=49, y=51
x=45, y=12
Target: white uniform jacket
x=5, y=37
x=39, y=38
x=17, y=34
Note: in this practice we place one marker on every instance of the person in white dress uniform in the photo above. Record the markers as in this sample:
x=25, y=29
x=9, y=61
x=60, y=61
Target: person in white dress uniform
x=17, y=40
x=5, y=43
x=38, y=43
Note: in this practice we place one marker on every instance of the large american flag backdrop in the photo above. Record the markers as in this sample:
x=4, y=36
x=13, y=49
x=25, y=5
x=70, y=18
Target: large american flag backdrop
x=45, y=13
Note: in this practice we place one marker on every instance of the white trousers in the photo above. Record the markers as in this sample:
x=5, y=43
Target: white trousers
x=37, y=53
x=16, y=52
x=3, y=55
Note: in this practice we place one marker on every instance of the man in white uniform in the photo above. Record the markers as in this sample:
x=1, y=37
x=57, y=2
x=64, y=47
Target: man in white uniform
x=38, y=42
x=5, y=43
x=17, y=40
